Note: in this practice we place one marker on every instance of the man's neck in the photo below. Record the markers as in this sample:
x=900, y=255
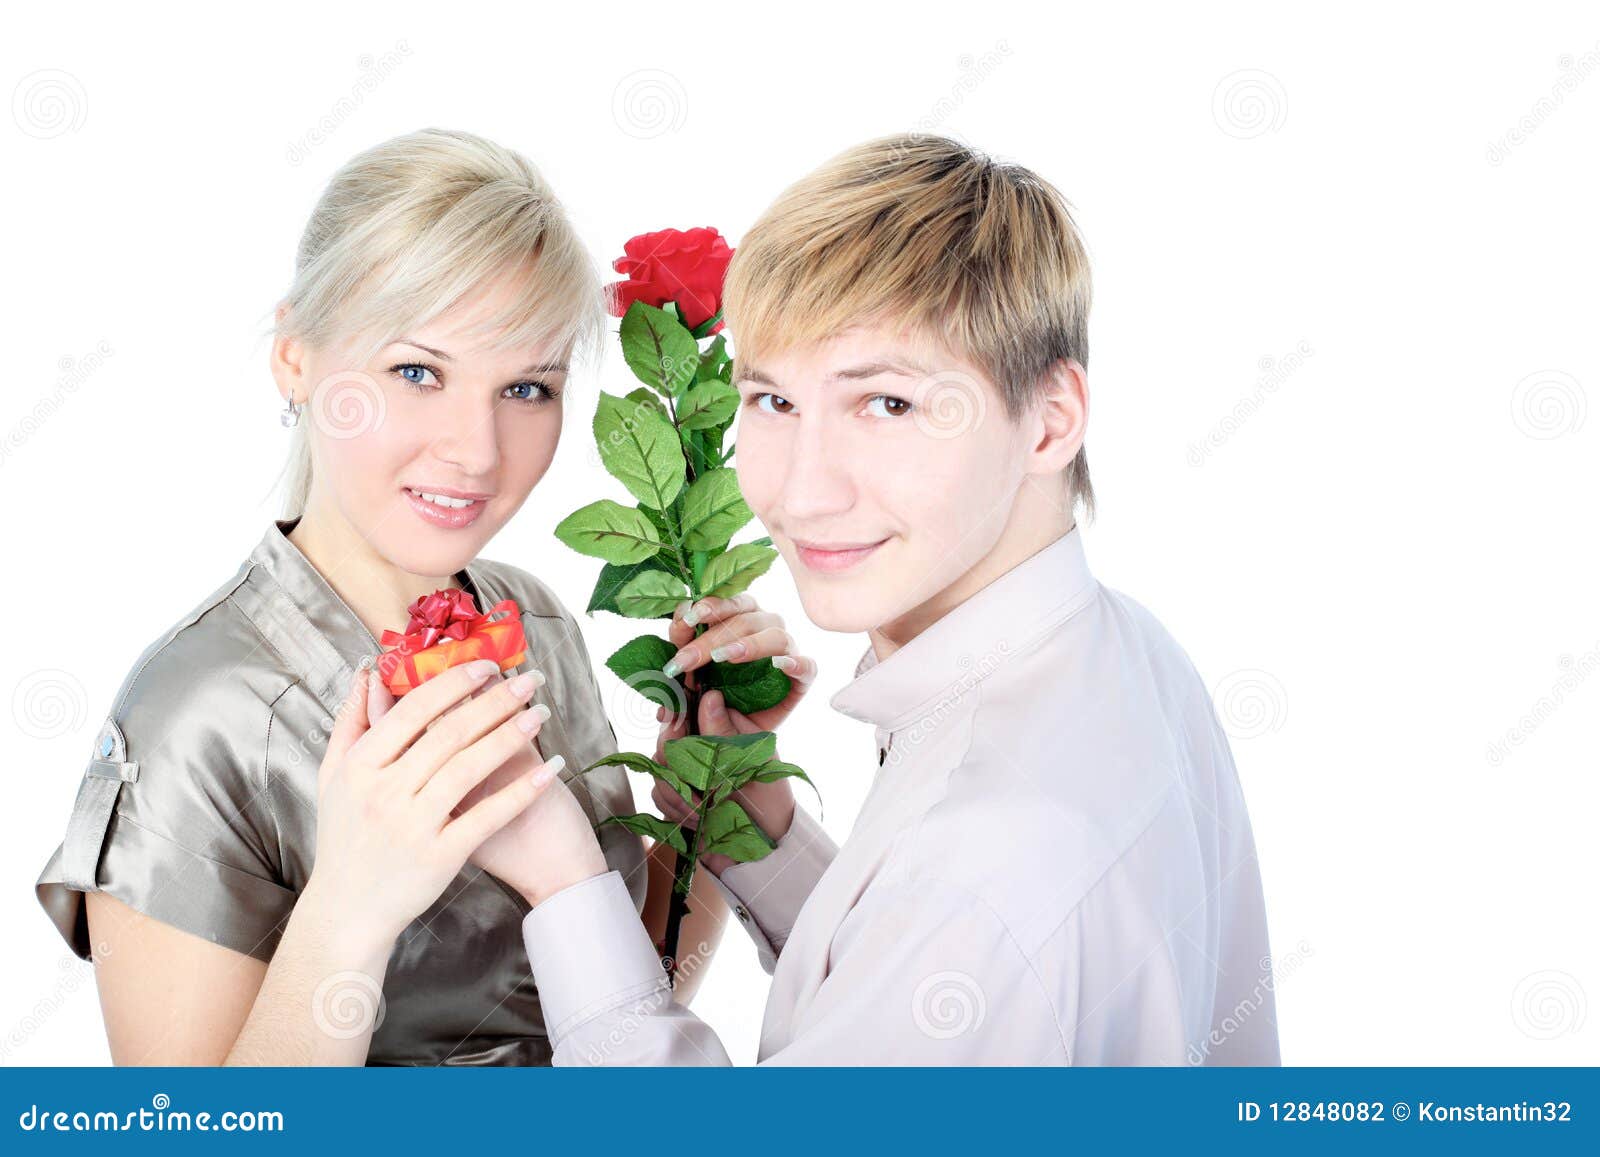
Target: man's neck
x=375, y=589
x=1038, y=518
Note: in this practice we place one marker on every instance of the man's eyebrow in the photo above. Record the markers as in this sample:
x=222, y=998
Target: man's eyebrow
x=870, y=369
x=884, y=365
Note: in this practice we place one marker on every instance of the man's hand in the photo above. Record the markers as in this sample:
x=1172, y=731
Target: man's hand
x=770, y=805
x=739, y=631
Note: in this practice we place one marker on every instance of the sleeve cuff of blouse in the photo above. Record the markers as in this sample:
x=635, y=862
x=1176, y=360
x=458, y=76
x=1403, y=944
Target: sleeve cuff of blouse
x=589, y=953
x=766, y=895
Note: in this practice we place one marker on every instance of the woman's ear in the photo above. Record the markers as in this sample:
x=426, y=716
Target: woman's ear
x=1064, y=415
x=287, y=361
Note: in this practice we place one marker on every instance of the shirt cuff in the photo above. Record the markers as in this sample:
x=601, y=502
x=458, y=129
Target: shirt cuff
x=590, y=954
x=766, y=895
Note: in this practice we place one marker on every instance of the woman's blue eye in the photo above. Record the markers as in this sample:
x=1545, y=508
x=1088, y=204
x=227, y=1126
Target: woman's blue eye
x=415, y=374
x=537, y=392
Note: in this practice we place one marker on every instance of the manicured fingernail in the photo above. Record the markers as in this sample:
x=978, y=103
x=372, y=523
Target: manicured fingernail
x=673, y=667
x=731, y=651
x=481, y=669
x=681, y=609
x=523, y=685
x=692, y=615
x=784, y=662
x=530, y=720
x=552, y=768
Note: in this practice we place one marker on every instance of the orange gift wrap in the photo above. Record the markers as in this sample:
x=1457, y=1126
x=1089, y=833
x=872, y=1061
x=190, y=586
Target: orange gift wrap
x=445, y=631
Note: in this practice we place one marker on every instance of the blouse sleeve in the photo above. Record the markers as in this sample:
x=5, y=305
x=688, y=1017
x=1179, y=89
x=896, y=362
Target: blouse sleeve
x=173, y=817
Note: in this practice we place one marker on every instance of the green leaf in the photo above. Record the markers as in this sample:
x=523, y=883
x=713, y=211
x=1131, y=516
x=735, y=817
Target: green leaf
x=747, y=687
x=778, y=769
x=644, y=397
x=734, y=570
x=640, y=449
x=712, y=361
x=658, y=829
x=713, y=510
x=658, y=349
x=728, y=830
x=638, y=663
x=708, y=761
x=631, y=760
x=614, y=577
x=644, y=653
x=651, y=594
x=707, y=405
x=611, y=531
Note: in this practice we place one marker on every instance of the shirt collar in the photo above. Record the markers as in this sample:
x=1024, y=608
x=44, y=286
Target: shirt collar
x=971, y=641
x=314, y=629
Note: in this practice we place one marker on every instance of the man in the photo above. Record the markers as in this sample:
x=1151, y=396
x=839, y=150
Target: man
x=1054, y=865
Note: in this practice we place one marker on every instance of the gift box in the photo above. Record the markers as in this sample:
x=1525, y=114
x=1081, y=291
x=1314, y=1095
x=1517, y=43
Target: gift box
x=446, y=630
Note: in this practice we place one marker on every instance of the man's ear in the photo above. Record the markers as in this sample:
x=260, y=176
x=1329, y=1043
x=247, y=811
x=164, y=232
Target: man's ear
x=287, y=361
x=1063, y=415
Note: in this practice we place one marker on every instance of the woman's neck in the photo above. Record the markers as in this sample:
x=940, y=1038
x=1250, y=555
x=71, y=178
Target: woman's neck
x=375, y=589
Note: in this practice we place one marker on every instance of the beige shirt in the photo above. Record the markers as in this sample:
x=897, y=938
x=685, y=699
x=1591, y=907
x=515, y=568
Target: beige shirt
x=1053, y=866
x=198, y=804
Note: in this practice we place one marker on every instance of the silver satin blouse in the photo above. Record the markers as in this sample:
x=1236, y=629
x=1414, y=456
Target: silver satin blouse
x=198, y=805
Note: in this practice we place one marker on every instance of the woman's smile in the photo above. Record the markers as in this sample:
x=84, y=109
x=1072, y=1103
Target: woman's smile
x=446, y=506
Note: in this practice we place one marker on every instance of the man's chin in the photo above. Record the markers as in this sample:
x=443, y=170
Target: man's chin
x=838, y=609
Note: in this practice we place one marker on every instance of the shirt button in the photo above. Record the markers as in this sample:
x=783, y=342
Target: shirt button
x=105, y=747
x=741, y=913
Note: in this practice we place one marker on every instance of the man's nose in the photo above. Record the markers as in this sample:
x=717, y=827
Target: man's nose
x=818, y=480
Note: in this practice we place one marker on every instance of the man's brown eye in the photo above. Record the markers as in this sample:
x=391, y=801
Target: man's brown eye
x=887, y=406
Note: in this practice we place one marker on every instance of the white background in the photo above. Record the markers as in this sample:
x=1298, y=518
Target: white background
x=1343, y=352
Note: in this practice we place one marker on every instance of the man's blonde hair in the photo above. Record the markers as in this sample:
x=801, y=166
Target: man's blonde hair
x=921, y=230
x=411, y=227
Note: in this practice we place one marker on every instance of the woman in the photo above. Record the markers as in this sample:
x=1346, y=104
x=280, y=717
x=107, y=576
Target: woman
x=268, y=855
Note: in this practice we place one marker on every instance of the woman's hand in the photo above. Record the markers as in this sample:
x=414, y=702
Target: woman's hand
x=771, y=805
x=739, y=631
x=391, y=831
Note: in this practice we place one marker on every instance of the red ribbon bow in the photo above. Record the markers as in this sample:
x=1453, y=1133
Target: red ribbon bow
x=446, y=614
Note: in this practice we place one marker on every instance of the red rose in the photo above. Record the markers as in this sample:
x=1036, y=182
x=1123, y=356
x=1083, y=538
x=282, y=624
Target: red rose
x=686, y=267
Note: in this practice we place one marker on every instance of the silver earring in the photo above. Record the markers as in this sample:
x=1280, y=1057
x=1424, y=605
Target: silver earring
x=291, y=414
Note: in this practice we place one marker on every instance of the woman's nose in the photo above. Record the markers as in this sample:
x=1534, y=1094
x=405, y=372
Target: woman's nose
x=470, y=441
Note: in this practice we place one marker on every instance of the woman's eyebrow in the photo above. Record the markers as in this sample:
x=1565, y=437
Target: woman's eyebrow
x=440, y=354
x=535, y=368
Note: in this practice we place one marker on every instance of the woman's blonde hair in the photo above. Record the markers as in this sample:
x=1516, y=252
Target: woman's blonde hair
x=921, y=230
x=409, y=228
